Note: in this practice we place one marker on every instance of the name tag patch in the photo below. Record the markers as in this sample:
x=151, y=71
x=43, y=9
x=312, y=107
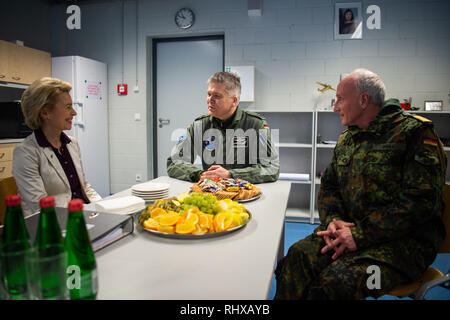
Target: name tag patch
x=240, y=142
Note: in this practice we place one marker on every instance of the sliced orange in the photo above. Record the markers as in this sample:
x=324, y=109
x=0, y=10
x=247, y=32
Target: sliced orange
x=182, y=219
x=207, y=222
x=191, y=218
x=199, y=230
x=184, y=228
x=192, y=210
x=223, y=205
x=223, y=221
x=168, y=219
x=210, y=221
x=203, y=221
x=237, y=219
x=157, y=212
x=166, y=229
x=151, y=223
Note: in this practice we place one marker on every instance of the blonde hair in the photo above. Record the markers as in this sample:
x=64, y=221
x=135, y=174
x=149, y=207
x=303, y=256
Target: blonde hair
x=41, y=94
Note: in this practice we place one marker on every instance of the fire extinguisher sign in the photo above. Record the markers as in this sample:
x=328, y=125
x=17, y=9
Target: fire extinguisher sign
x=122, y=89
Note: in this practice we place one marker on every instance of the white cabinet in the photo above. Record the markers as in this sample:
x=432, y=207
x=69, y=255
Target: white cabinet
x=247, y=75
x=295, y=132
x=328, y=127
x=306, y=140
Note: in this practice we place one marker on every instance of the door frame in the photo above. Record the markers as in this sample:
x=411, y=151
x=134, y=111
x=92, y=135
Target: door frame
x=154, y=63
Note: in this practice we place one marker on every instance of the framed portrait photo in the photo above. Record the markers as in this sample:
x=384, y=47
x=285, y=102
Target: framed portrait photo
x=348, y=20
x=433, y=105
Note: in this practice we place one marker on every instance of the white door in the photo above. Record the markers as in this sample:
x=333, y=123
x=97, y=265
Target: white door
x=183, y=66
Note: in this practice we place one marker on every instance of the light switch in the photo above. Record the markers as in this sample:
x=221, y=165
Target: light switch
x=137, y=117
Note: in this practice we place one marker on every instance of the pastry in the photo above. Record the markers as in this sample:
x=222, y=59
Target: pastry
x=235, y=189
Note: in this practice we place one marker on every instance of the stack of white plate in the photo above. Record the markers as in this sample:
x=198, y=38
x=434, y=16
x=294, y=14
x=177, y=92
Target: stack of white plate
x=150, y=191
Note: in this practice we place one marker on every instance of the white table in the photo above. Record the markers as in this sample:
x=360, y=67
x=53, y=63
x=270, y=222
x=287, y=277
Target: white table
x=239, y=265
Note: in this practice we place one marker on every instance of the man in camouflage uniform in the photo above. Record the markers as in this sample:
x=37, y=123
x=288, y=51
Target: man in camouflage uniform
x=380, y=202
x=231, y=142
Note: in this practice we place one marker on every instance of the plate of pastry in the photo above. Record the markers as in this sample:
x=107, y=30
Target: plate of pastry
x=235, y=189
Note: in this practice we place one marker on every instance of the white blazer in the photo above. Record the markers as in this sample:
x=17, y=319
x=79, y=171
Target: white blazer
x=38, y=174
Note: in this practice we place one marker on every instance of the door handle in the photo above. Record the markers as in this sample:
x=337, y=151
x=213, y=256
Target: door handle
x=163, y=122
x=79, y=119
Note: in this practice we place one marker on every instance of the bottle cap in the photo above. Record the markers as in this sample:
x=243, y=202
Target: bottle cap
x=47, y=202
x=14, y=200
x=75, y=205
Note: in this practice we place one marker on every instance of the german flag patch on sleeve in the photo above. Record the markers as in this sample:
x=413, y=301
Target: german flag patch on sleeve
x=430, y=142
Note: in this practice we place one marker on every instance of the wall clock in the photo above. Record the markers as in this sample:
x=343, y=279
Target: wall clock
x=184, y=18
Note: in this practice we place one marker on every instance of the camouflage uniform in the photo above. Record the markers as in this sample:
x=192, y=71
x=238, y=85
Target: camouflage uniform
x=243, y=157
x=388, y=179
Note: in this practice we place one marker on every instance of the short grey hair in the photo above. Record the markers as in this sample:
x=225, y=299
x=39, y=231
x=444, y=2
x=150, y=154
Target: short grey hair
x=231, y=80
x=369, y=82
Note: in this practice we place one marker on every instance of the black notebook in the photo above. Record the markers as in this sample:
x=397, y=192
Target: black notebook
x=103, y=228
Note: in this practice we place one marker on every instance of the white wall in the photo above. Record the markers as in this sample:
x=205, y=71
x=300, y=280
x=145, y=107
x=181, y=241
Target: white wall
x=291, y=46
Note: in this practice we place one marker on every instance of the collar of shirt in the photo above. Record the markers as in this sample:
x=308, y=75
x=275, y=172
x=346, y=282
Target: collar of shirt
x=231, y=121
x=390, y=110
x=43, y=142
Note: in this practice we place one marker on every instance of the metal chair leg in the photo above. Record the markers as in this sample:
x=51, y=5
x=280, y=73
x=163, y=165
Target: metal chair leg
x=422, y=291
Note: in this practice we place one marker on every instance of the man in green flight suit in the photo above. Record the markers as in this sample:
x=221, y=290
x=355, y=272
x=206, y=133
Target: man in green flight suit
x=380, y=202
x=232, y=143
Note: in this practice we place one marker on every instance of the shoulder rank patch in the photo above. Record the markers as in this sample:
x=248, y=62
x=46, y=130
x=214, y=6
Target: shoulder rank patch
x=201, y=117
x=430, y=142
x=254, y=114
x=421, y=119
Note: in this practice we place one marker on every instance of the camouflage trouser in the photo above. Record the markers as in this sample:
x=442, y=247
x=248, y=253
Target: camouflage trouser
x=305, y=273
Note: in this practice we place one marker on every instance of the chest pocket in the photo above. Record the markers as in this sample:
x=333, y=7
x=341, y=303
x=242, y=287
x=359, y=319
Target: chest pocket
x=384, y=162
x=343, y=159
x=426, y=157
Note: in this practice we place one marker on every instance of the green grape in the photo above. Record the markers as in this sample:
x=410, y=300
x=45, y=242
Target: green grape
x=205, y=202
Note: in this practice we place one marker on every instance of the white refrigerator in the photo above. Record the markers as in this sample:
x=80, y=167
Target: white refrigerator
x=90, y=127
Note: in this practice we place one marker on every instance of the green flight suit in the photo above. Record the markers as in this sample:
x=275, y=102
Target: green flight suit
x=388, y=179
x=241, y=144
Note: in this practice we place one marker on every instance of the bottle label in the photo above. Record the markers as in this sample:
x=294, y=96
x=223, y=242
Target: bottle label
x=82, y=285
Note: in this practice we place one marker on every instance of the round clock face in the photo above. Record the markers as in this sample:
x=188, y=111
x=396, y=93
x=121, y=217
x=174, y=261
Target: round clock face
x=184, y=18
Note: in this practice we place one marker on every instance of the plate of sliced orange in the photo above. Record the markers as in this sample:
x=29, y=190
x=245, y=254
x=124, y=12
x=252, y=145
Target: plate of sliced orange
x=192, y=223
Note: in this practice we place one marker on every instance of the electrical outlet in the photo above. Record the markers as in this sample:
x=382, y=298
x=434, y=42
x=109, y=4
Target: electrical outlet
x=138, y=177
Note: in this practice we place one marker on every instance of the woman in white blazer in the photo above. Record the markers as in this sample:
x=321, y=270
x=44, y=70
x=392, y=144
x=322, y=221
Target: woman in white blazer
x=48, y=162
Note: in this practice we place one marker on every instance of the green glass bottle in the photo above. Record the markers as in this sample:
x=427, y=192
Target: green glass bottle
x=14, y=229
x=82, y=269
x=16, y=242
x=49, y=244
x=48, y=232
